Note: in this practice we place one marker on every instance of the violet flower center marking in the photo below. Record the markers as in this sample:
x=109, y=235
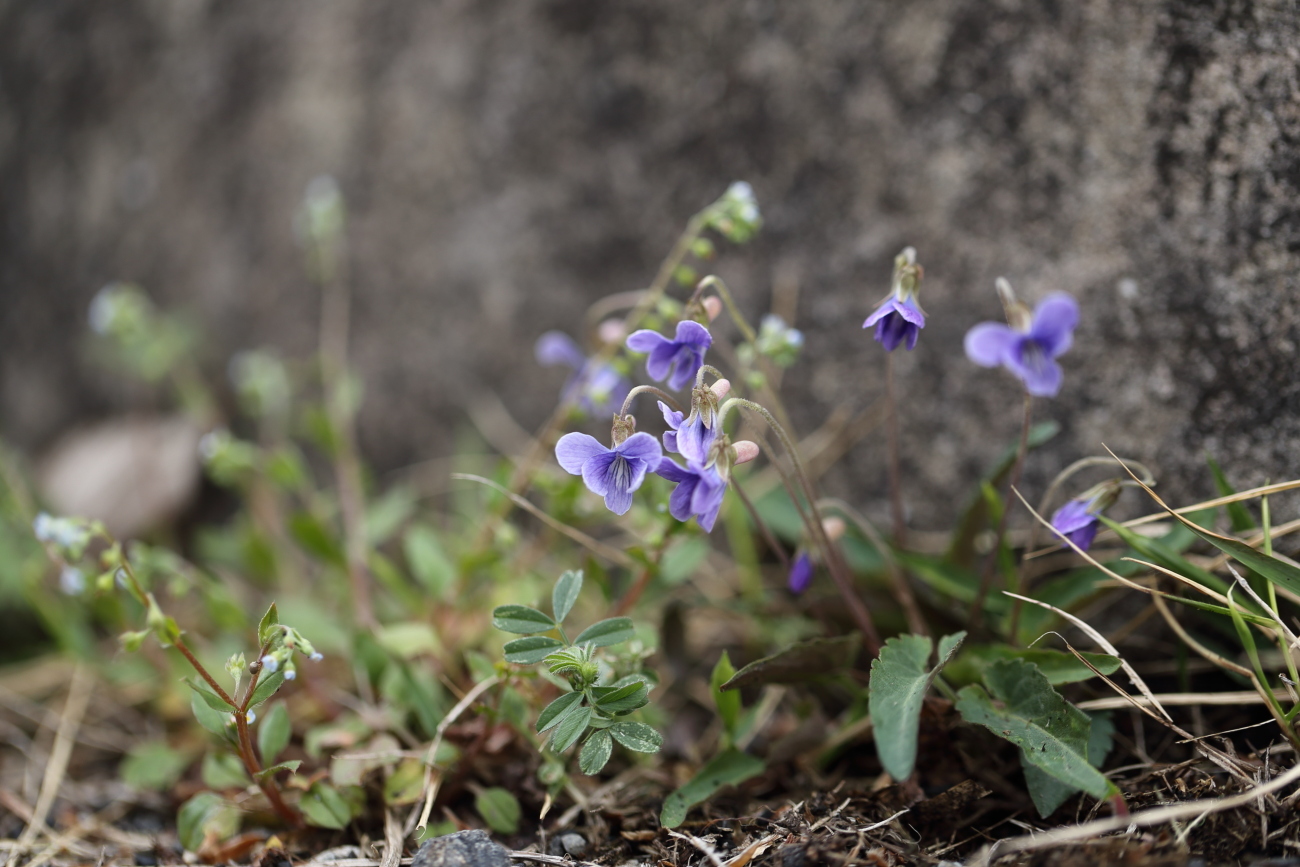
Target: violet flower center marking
x=613, y=473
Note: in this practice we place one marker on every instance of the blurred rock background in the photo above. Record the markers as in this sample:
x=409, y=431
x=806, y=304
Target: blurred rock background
x=507, y=162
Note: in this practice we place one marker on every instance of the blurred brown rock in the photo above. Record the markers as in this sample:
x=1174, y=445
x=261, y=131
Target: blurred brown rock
x=508, y=163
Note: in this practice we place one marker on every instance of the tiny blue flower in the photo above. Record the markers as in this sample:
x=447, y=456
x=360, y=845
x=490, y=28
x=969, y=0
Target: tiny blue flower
x=801, y=572
x=613, y=473
x=677, y=359
x=698, y=493
x=598, y=387
x=1029, y=349
x=270, y=663
x=72, y=581
x=316, y=656
x=290, y=673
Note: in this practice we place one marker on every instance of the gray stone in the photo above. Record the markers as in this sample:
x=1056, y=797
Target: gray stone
x=568, y=843
x=462, y=849
x=507, y=164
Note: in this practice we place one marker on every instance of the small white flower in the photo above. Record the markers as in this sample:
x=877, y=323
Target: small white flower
x=270, y=663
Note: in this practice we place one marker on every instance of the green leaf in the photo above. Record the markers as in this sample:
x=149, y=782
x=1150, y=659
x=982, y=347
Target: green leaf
x=565, y=594
x=153, y=765
x=211, y=719
x=595, y=752
x=638, y=737
x=798, y=663
x=1052, y=733
x=728, y=768
x=1059, y=667
x=314, y=538
x=269, y=620
x=527, y=651
x=900, y=678
x=1049, y=793
x=223, y=770
x=521, y=619
x=606, y=632
x=386, y=514
x=728, y=702
x=267, y=687
x=572, y=724
x=405, y=784
x=325, y=807
x=1277, y=571
x=1160, y=553
x=553, y=712
x=499, y=809
x=621, y=699
x=408, y=640
x=428, y=562
x=1237, y=513
x=681, y=559
x=269, y=772
x=205, y=815
x=273, y=736
x=211, y=699
x=975, y=516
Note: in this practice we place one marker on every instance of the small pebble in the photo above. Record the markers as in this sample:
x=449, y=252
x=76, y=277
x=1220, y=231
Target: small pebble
x=462, y=849
x=569, y=843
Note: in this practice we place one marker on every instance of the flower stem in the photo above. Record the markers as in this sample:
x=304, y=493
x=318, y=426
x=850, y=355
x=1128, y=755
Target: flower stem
x=523, y=474
x=990, y=565
x=714, y=282
x=333, y=352
x=832, y=556
x=895, y=458
x=657, y=392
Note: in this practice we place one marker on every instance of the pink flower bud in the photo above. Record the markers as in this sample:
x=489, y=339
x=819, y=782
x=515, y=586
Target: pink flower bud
x=721, y=388
x=611, y=331
x=712, y=307
x=833, y=527
x=746, y=451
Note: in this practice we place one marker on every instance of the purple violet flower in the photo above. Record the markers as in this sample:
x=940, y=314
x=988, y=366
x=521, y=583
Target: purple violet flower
x=897, y=320
x=1029, y=350
x=598, y=387
x=688, y=437
x=801, y=572
x=613, y=473
x=1075, y=521
x=698, y=493
x=677, y=359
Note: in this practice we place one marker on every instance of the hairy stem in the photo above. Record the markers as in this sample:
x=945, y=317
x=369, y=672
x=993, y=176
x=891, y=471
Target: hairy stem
x=991, y=564
x=831, y=553
x=895, y=458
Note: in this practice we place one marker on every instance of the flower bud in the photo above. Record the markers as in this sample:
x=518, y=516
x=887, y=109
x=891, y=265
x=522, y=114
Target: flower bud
x=746, y=451
x=833, y=527
x=611, y=331
x=712, y=307
x=270, y=664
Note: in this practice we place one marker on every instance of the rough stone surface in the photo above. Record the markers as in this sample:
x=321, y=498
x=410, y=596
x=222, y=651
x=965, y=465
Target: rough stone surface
x=462, y=849
x=509, y=163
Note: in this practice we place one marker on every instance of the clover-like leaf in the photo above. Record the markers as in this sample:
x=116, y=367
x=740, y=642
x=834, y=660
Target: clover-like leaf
x=521, y=619
x=637, y=737
x=530, y=650
x=553, y=712
x=565, y=594
x=572, y=724
x=595, y=752
x=606, y=632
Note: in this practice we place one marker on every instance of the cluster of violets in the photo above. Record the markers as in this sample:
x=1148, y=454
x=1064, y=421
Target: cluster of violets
x=1027, y=345
x=616, y=472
